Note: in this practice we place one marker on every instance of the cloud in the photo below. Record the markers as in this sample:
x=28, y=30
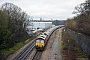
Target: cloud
x=47, y=9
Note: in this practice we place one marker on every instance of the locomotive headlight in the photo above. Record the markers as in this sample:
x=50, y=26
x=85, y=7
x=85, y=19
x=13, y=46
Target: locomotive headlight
x=42, y=44
x=36, y=44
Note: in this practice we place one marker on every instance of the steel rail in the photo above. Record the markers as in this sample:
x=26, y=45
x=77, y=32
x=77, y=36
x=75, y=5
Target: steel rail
x=25, y=53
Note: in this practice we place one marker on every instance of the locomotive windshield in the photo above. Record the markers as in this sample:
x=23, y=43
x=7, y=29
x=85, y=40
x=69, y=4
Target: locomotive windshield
x=37, y=40
x=40, y=41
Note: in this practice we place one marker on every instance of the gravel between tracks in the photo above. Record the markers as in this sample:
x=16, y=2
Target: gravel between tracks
x=52, y=51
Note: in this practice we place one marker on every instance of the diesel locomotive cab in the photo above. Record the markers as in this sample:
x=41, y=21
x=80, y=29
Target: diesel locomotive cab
x=39, y=44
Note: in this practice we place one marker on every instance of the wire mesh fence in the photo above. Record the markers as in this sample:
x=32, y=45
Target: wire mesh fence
x=82, y=40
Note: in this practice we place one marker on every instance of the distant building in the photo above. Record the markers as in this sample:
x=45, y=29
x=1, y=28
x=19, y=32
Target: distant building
x=40, y=25
x=36, y=26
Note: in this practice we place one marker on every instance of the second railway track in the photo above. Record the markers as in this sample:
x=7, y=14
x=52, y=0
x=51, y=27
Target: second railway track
x=24, y=54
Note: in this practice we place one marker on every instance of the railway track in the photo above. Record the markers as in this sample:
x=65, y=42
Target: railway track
x=25, y=53
x=37, y=55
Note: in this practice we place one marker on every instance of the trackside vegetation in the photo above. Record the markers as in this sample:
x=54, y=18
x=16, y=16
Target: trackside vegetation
x=18, y=45
x=81, y=22
x=13, y=34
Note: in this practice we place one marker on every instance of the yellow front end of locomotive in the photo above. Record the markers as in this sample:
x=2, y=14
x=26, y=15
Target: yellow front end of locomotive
x=40, y=45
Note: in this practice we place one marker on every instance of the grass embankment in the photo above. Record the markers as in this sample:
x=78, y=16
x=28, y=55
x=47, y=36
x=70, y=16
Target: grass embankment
x=17, y=46
x=70, y=49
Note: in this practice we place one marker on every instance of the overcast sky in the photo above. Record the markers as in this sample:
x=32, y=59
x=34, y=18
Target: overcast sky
x=47, y=9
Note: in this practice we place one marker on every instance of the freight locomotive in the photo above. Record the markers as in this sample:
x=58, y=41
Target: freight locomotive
x=41, y=41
